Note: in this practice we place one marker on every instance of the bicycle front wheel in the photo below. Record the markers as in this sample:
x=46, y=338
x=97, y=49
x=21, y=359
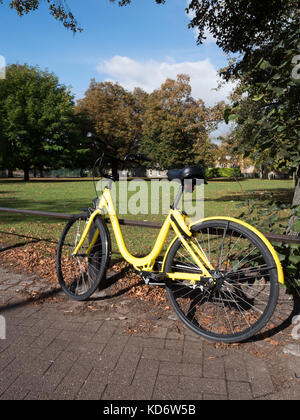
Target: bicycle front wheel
x=79, y=276
x=241, y=296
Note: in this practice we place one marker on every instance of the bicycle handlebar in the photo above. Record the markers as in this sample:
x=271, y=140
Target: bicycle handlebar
x=130, y=157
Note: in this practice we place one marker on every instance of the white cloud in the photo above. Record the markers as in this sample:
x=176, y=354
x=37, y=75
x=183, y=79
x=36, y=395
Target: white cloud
x=151, y=74
x=221, y=131
x=209, y=38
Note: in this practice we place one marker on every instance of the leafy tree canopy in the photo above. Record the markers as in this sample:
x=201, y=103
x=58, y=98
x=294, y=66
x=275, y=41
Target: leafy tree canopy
x=58, y=9
x=176, y=126
x=114, y=114
x=37, y=122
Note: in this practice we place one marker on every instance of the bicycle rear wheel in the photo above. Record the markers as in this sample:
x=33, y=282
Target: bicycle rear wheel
x=241, y=296
x=80, y=275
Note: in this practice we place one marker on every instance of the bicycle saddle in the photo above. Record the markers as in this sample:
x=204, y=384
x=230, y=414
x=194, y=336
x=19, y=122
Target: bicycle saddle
x=190, y=172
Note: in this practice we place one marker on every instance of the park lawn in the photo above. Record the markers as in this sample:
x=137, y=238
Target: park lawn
x=221, y=199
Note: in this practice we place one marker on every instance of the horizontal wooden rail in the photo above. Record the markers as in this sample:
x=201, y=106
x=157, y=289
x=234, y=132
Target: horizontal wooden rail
x=139, y=223
x=37, y=213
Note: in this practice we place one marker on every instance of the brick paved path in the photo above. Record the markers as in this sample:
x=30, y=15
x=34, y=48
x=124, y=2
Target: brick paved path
x=60, y=349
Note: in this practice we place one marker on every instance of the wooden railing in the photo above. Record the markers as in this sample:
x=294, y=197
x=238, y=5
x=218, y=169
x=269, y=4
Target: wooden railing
x=138, y=223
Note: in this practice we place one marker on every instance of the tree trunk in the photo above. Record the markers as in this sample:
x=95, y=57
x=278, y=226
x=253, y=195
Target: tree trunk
x=26, y=175
x=114, y=170
x=264, y=172
x=296, y=202
x=10, y=173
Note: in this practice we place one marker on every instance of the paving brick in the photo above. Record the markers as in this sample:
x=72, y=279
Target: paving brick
x=39, y=395
x=58, y=370
x=27, y=311
x=167, y=388
x=14, y=393
x=8, y=377
x=259, y=377
x=138, y=391
x=76, y=337
x=147, y=368
x=125, y=369
x=235, y=368
x=20, y=341
x=111, y=354
x=158, y=332
x=3, y=346
x=105, y=332
x=192, y=352
x=174, y=344
x=291, y=394
x=239, y=391
x=58, y=351
x=75, y=326
x=5, y=359
x=73, y=381
x=33, y=382
x=46, y=338
x=30, y=321
x=143, y=386
x=180, y=369
x=27, y=363
x=94, y=385
x=90, y=349
x=147, y=342
x=37, y=327
x=203, y=385
x=214, y=397
x=162, y=354
x=55, y=348
x=93, y=326
x=175, y=335
x=213, y=367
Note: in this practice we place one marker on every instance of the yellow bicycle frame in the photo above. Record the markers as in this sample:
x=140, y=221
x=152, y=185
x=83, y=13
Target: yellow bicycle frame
x=258, y=233
x=178, y=223
x=174, y=219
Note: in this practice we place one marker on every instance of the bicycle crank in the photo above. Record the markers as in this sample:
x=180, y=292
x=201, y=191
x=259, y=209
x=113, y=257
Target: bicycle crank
x=153, y=278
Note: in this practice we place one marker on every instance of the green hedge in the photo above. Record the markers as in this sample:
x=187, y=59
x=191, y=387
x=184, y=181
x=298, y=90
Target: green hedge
x=223, y=173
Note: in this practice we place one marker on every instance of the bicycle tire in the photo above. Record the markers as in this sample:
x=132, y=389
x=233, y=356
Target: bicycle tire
x=80, y=276
x=231, y=292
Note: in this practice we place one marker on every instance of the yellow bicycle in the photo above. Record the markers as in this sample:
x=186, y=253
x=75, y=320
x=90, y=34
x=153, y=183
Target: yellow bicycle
x=221, y=274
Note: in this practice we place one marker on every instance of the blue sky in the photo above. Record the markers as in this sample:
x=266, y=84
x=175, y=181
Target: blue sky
x=138, y=45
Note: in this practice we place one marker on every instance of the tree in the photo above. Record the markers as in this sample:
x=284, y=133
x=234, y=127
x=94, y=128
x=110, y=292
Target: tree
x=264, y=36
x=37, y=122
x=115, y=115
x=176, y=126
x=58, y=9
x=268, y=116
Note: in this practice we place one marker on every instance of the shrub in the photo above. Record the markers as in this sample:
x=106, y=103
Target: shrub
x=223, y=173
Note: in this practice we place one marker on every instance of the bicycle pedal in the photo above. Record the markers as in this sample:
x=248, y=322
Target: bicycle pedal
x=153, y=278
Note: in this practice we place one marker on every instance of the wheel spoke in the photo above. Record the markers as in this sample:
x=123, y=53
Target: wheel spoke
x=244, y=291
x=79, y=274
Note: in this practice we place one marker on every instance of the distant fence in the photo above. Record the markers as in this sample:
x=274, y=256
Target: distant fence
x=138, y=223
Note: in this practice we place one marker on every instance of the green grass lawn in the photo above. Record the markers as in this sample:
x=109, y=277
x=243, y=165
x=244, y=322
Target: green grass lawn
x=221, y=198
